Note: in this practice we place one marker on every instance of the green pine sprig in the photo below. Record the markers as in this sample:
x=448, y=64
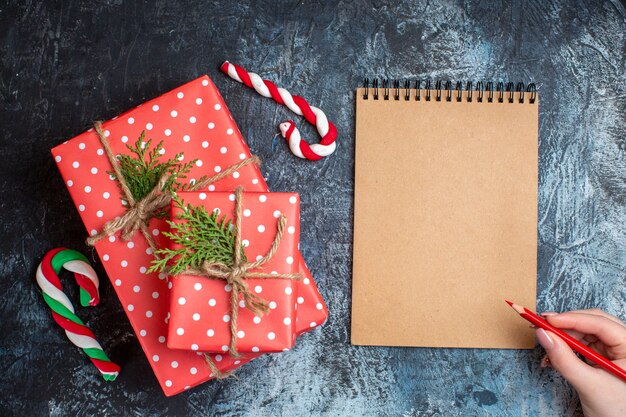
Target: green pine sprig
x=201, y=237
x=143, y=168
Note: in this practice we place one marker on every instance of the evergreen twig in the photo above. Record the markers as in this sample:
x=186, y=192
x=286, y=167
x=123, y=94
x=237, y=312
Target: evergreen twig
x=143, y=169
x=201, y=237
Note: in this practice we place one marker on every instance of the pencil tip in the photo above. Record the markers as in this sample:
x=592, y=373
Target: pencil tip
x=515, y=307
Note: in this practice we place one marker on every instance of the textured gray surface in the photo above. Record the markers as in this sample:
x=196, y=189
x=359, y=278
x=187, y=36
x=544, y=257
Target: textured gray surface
x=65, y=64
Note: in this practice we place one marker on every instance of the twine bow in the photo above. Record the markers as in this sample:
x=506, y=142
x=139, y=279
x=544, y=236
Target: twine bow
x=140, y=212
x=236, y=274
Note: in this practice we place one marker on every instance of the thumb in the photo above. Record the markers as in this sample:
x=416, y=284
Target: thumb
x=563, y=359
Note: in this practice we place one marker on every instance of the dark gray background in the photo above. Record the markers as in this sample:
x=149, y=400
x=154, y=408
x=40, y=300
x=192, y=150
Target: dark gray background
x=66, y=64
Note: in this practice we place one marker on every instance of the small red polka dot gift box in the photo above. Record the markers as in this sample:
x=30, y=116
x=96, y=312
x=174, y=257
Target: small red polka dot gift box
x=195, y=127
x=201, y=306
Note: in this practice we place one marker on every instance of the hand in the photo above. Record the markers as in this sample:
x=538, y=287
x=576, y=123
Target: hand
x=601, y=393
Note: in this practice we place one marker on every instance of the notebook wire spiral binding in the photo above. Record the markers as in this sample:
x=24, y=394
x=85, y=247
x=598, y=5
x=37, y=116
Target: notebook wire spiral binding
x=443, y=90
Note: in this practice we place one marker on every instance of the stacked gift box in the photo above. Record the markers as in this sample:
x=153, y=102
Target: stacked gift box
x=184, y=323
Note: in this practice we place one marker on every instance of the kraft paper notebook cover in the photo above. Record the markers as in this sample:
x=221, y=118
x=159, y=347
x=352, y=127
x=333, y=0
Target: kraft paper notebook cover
x=445, y=216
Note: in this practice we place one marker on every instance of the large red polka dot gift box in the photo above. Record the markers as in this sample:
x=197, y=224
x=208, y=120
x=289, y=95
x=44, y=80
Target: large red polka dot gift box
x=195, y=129
x=201, y=306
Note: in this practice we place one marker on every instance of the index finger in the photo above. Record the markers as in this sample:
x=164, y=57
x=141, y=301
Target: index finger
x=606, y=330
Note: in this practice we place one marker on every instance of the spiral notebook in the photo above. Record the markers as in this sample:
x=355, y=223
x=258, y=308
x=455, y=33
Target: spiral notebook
x=445, y=214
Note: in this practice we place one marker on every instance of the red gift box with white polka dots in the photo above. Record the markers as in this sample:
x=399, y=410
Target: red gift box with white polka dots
x=192, y=119
x=200, y=308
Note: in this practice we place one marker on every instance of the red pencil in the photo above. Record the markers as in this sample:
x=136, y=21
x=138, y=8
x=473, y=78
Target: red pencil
x=588, y=353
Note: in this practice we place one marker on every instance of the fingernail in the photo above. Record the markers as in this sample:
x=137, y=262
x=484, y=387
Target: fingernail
x=549, y=313
x=544, y=340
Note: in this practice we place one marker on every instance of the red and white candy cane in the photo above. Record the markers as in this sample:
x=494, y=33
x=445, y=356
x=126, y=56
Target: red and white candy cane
x=62, y=309
x=296, y=104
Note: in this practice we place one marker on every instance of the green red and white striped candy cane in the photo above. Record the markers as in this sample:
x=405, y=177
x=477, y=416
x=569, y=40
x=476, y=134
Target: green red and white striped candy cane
x=62, y=309
x=296, y=104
